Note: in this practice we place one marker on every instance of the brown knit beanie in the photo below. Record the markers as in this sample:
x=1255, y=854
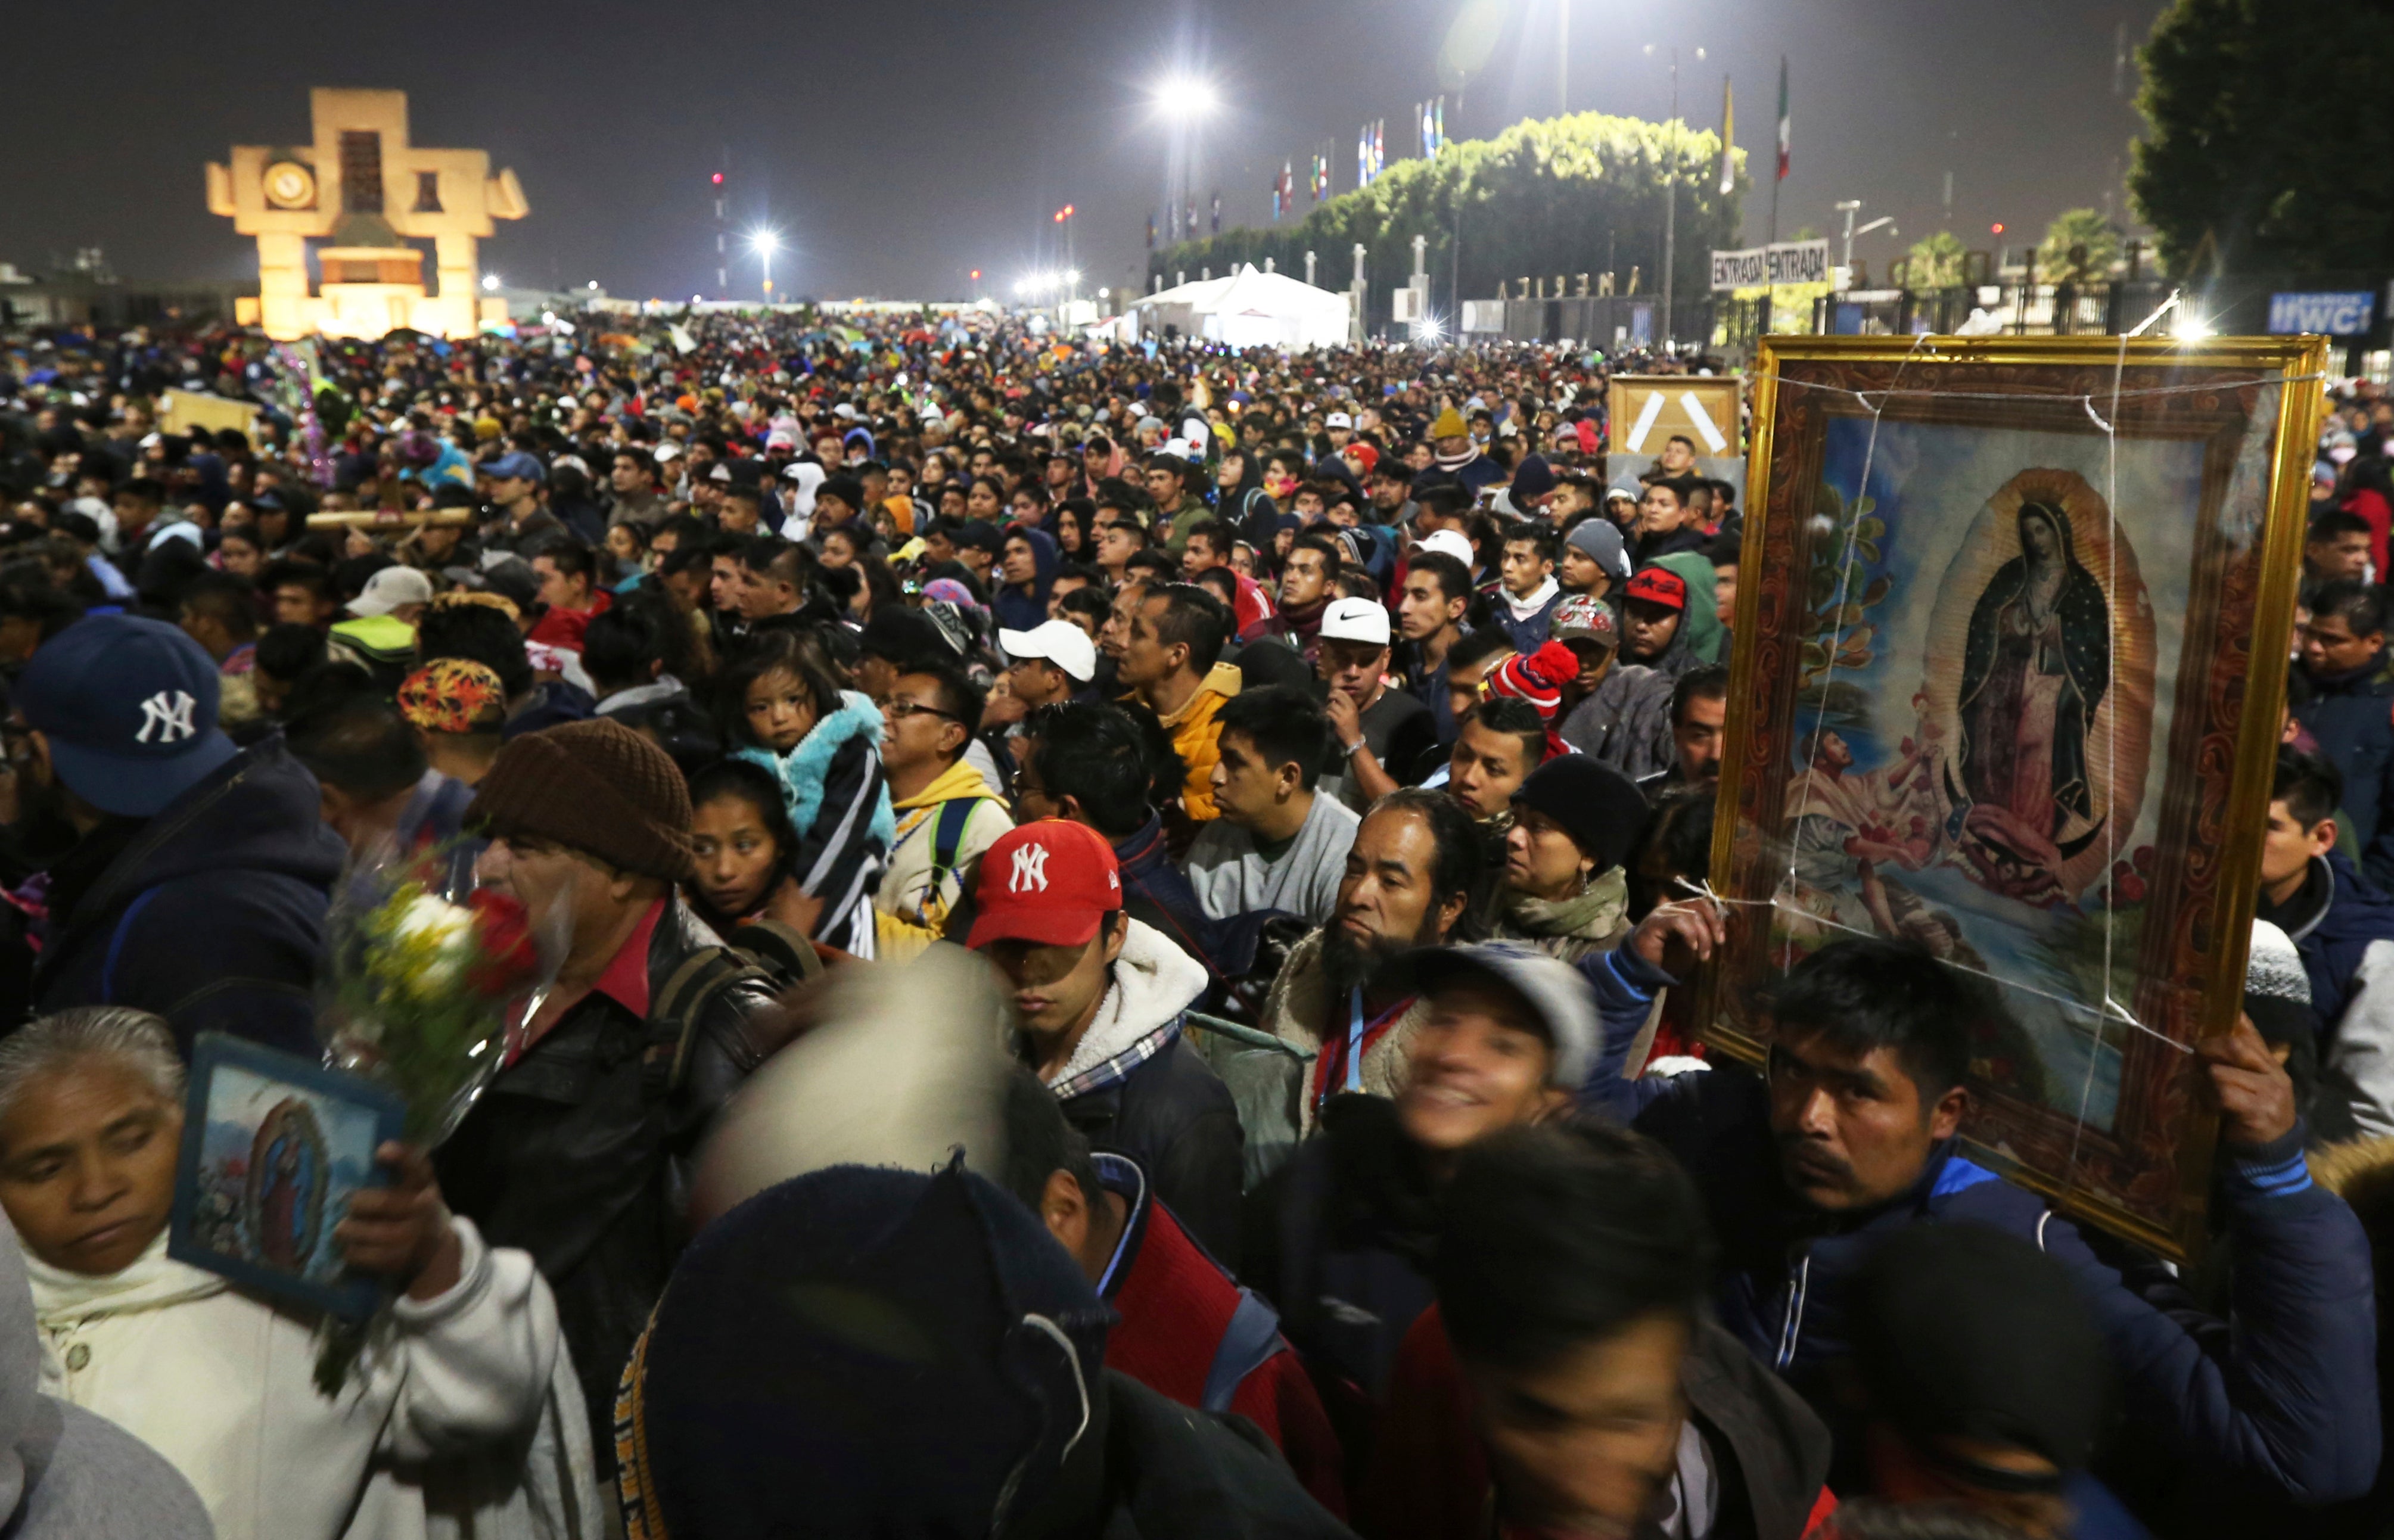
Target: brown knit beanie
x=595, y=786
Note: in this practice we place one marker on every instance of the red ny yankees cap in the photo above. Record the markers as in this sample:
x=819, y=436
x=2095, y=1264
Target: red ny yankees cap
x=1048, y=883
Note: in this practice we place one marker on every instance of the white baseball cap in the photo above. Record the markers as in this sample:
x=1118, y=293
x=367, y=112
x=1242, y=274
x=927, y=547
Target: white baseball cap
x=1448, y=542
x=1060, y=642
x=1355, y=620
x=1339, y=419
x=390, y=589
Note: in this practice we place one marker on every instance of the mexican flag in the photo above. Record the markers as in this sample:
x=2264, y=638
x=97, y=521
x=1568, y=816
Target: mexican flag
x=1782, y=117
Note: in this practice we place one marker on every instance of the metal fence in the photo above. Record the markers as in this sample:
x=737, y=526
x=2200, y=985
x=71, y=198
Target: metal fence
x=2012, y=304
x=2018, y=308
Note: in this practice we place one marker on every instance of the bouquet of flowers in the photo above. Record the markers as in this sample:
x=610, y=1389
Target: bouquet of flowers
x=429, y=984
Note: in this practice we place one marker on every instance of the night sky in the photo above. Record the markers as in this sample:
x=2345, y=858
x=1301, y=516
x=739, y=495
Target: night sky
x=898, y=144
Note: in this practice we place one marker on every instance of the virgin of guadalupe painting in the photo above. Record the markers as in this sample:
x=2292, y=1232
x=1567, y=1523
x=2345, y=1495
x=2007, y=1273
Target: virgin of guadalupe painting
x=1992, y=696
x=274, y=1147
x=286, y=1185
x=2038, y=663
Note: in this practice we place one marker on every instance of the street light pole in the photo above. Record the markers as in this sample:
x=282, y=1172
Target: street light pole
x=1671, y=208
x=1562, y=58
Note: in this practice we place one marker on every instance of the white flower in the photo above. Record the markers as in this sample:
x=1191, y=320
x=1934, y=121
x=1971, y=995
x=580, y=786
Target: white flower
x=437, y=920
x=436, y=975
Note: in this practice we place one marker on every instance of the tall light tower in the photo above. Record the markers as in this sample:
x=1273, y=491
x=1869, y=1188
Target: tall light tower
x=722, y=243
x=765, y=242
x=1185, y=101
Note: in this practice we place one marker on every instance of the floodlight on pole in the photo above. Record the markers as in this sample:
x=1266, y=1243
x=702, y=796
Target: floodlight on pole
x=491, y=281
x=765, y=242
x=1184, y=101
x=1187, y=98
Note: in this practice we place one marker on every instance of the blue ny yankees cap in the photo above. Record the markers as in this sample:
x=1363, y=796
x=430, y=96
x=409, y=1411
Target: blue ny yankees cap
x=130, y=708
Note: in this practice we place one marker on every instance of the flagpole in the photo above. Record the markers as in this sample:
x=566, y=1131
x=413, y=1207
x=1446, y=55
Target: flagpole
x=1778, y=175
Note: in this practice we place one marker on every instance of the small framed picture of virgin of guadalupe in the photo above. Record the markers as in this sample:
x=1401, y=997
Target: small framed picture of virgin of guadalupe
x=273, y=1147
x=2010, y=654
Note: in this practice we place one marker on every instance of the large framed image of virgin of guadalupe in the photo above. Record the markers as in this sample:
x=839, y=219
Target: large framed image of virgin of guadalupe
x=2006, y=683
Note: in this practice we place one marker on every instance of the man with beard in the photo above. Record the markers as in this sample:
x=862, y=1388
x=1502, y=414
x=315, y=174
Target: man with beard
x=1391, y=490
x=1416, y=871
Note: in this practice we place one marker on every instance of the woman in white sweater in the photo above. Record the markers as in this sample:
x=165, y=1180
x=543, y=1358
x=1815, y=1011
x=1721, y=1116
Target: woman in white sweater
x=432, y=1429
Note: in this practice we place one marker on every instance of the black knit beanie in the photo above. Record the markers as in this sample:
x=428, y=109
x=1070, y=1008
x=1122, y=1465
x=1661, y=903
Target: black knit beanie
x=596, y=786
x=1598, y=806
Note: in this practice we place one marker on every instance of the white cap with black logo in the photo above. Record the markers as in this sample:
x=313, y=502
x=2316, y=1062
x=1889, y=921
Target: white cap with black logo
x=1355, y=620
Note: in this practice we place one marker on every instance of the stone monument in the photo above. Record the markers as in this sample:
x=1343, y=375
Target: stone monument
x=365, y=192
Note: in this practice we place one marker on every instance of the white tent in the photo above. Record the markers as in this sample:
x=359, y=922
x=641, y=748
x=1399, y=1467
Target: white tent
x=1248, y=309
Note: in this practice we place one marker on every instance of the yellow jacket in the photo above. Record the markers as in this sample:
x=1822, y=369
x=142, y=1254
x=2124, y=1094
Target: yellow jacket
x=1196, y=737
x=910, y=913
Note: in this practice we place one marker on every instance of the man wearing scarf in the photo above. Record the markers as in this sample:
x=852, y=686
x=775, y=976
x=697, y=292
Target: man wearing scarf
x=1305, y=593
x=1458, y=453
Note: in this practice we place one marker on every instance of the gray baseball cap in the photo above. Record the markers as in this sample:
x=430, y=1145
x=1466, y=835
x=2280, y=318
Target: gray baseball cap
x=1552, y=988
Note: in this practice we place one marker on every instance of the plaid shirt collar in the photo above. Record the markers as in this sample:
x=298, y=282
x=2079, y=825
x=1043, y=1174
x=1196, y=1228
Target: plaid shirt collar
x=1115, y=1071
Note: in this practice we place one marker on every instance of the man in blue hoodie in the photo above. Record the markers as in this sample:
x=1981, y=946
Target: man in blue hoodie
x=2344, y=930
x=1853, y=1136
x=196, y=886
x=2343, y=692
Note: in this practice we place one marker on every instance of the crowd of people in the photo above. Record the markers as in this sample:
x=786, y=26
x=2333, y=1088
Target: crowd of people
x=1318, y=753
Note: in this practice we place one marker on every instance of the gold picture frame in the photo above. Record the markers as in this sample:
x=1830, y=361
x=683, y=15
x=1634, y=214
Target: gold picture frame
x=2013, y=603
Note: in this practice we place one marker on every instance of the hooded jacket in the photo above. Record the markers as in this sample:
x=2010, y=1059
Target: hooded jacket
x=2280, y=1396
x=1626, y=722
x=2352, y=717
x=1019, y=610
x=1525, y=620
x=1698, y=639
x=1300, y=1011
x=210, y=914
x=1178, y=1474
x=1430, y=1476
x=804, y=477
x=1156, y=893
x=1340, y=1240
x=1133, y=1084
x=1189, y=1331
x=65, y=1473
x=912, y=915
x=222, y=1384
x=2345, y=940
x=838, y=803
x=1196, y=737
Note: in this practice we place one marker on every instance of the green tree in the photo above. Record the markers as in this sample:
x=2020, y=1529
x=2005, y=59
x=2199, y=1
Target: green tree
x=1934, y=262
x=2269, y=133
x=2078, y=227
x=1547, y=198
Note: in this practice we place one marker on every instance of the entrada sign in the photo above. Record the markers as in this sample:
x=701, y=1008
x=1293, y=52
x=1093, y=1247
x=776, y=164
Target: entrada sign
x=1787, y=262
